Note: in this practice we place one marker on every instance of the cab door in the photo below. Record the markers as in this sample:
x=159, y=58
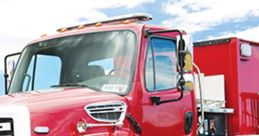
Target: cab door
x=160, y=81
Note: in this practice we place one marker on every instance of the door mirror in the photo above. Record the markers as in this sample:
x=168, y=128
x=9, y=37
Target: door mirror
x=188, y=62
x=10, y=62
x=188, y=67
x=188, y=59
x=180, y=63
x=185, y=54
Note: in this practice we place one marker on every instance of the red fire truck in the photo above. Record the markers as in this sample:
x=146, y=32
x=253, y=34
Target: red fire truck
x=122, y=77
x=237, y=60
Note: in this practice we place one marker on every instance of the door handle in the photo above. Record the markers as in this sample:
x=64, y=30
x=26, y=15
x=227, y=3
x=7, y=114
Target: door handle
x=188, y=121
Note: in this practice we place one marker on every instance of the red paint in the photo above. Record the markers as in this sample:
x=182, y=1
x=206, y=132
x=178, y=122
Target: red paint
x=61, y=109
x=241, y=81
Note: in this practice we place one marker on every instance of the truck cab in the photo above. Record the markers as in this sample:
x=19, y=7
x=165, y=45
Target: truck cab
x=113, y=77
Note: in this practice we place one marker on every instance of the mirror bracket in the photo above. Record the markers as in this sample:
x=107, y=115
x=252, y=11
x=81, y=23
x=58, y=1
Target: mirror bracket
x=6, y=75
x=5, y=69
x=155, y=100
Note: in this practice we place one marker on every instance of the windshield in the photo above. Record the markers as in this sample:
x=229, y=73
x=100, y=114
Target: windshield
x=102, y=61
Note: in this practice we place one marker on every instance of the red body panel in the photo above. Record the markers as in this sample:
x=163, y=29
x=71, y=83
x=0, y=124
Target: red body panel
x=165, y=119
x=241, y=81
x=60, y=110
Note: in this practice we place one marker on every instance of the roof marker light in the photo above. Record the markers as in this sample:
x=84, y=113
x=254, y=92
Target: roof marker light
x=137, y=17
x=127, y=21
x=98, y=24
x=62, y=30
x=81, y=27
x=44, y=35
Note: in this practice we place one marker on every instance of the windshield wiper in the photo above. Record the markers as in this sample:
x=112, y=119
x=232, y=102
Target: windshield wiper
x=76, y=85
x=70, y=85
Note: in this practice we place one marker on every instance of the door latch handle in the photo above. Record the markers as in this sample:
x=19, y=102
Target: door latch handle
x=188, y=122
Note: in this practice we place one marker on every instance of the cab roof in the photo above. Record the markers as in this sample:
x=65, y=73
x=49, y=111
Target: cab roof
x=132, y=22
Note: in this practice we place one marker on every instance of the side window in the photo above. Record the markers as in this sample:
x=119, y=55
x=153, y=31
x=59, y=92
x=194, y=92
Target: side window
x=43, y=72
x=160, y=69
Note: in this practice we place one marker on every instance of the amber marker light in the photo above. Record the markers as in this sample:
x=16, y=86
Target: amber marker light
x=81, y=27
x=62, y=30
x=44, y=35
x=127, y=21
x=98, y=24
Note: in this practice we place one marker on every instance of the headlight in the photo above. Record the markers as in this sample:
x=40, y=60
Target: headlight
x=81, y=126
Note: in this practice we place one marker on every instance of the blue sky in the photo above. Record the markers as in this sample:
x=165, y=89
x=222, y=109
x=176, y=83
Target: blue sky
x=23, y=21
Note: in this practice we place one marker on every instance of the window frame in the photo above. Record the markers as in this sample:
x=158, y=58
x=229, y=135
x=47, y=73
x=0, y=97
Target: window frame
x=149, y=43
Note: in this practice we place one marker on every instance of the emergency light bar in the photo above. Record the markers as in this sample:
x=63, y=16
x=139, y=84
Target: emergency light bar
x=138, y=17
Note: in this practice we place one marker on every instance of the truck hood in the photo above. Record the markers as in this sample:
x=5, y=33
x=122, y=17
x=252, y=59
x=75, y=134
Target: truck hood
x=57, y=99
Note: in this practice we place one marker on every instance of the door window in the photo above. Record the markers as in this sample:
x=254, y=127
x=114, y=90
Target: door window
x=160, y=69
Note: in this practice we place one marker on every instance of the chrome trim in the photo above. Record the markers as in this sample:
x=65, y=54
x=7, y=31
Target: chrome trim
x=41, y=130
x=119, y=124
x=5, y=126
x=107, y=107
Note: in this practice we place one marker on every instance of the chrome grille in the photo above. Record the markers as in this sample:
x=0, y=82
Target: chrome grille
x=107, y=112
x=6, y=127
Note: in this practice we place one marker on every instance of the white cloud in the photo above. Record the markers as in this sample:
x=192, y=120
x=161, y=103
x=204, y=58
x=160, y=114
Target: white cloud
x=10, y=44
x=22, y=21
x=35, y=15
x=199, y=15
x=248, y=34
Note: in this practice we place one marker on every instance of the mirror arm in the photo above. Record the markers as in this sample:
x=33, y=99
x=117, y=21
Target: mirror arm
x=5, y=69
